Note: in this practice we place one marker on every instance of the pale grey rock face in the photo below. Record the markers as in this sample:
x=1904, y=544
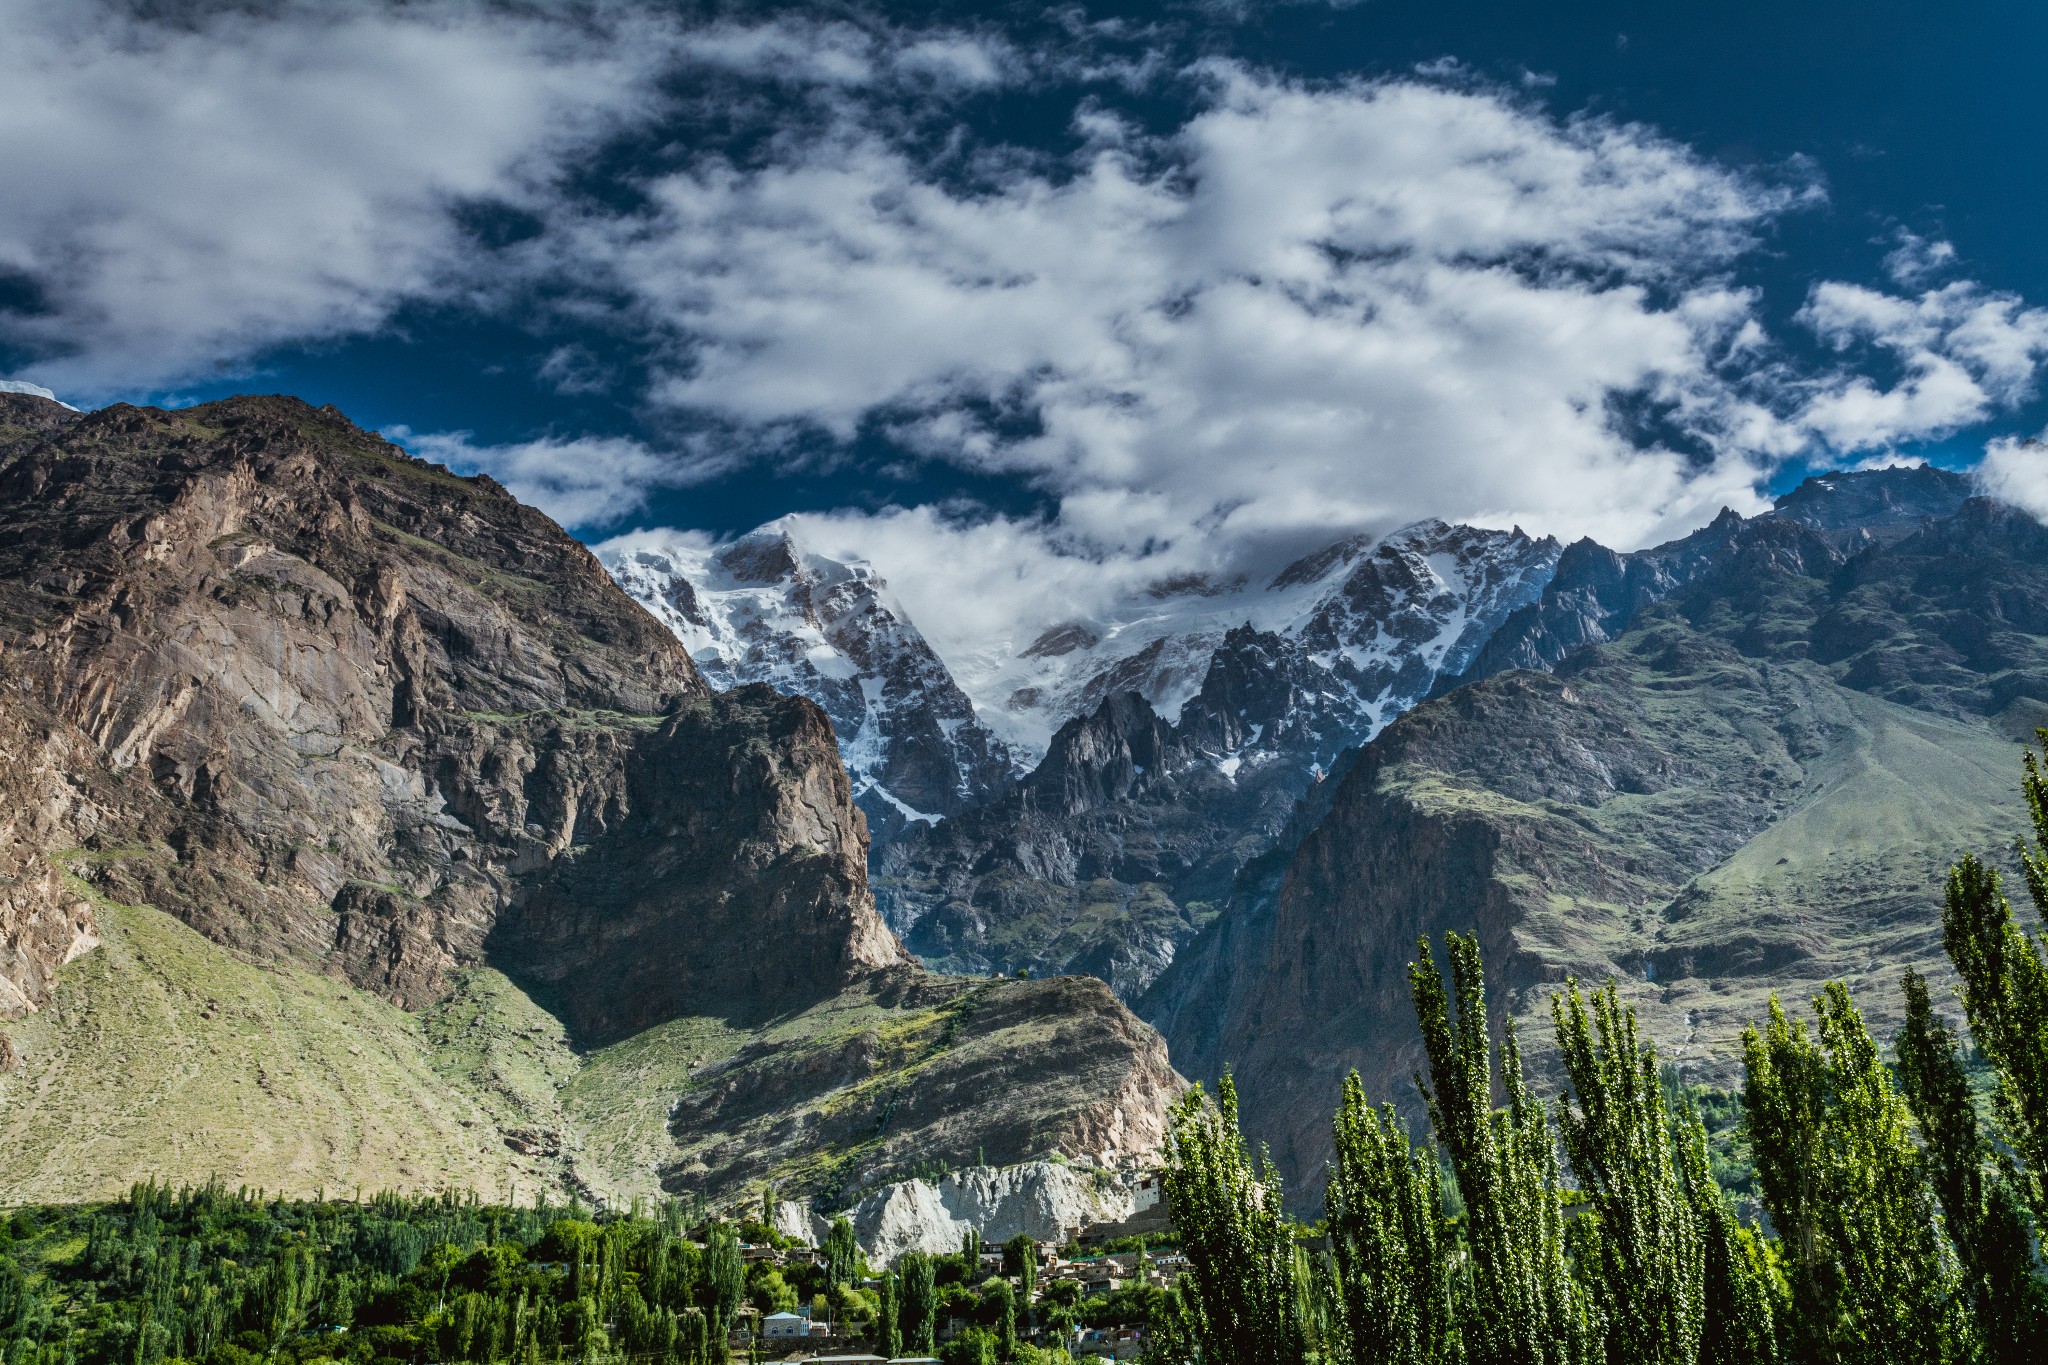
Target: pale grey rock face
x=1042, y=1199
x=799, y=1224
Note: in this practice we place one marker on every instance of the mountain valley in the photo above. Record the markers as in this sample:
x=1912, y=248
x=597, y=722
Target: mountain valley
x=1756, y=787
x=371, y=833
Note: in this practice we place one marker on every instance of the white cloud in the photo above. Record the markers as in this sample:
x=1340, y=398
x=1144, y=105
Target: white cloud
x=580, y=481
x=1964, y=353
x=1916, y=259
x=2016, y=471
x=183, y=195
x=1309, y=311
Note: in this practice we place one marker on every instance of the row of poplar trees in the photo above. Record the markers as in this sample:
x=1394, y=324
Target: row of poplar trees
x=1901, y=1226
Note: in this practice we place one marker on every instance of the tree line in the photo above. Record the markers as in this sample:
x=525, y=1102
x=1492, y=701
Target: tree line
x=1899, y=1224
x=212, y=1276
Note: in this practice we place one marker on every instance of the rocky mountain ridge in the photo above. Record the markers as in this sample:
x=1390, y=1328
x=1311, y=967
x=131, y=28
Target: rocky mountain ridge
x=1132, y=831
x=1596, y=592
x=347, y=717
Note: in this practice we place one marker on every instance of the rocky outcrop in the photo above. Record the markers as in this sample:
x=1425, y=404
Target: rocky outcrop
x=799, y=1224
x=1047, y=1201
x=909, y=1068
x=1106, y=859
x=371, y=716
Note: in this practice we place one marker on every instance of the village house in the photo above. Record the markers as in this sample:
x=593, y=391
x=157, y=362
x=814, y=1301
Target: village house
x=782, y=1326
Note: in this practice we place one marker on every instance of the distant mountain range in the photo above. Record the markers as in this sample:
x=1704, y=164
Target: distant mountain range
x=1184, y=735
x=1750, y=777
x=1188, y=727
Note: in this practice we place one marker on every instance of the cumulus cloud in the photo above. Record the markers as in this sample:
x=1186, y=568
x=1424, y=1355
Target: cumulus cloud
x=1310, y=309
x=1307, y=310
x=579, y=481
x=1964, y=352
x=2016, y=471
x=184, y=195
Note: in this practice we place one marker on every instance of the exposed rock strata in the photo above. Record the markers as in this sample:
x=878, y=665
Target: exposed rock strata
x=908, y=1069
x=372, y=714
x=1044, y=1200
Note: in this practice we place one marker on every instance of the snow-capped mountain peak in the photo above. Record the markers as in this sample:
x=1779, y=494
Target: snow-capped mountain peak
x=766, y=608
x=1332, y=648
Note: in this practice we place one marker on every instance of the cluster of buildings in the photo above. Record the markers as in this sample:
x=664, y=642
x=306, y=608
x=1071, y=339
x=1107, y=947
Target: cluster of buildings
x=794, y=1336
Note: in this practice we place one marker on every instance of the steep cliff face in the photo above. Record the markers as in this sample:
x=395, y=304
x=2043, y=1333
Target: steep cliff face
x=1043, y=1200
x=349, y=709
x=1106, y=859
x=1756, y=787
x=351, y=717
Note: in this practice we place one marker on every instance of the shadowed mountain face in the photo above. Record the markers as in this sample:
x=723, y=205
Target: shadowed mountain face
x=1597, y=592
x=1754, y=787
x=344, y=713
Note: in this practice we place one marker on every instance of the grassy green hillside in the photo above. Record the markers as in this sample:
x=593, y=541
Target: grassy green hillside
x=165, y=1056
x=1846, y=885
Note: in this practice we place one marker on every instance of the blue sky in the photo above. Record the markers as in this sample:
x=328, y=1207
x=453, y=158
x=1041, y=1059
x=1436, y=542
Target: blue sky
x=1075, y=295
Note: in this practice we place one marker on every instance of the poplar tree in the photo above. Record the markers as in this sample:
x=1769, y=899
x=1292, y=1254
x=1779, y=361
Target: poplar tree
x=1738, y=1280
x=1873, y=1278
x=918, y=1308
x=1000, y=1302
x=1020, y=1259
x=2005, y=994
x=1388, y=1239
x=842, y=1253
x=888, y=1322
x=1645, y=1258
x=970, y=1255
x=725, y=1280
x=1239, y=1294
x=1526, y=1307
x=1983, y=1215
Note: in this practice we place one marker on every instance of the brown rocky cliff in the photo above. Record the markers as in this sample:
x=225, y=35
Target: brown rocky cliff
x=324, y=701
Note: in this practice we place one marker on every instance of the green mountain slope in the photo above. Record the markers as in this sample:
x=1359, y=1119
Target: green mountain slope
x=163, y=1056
